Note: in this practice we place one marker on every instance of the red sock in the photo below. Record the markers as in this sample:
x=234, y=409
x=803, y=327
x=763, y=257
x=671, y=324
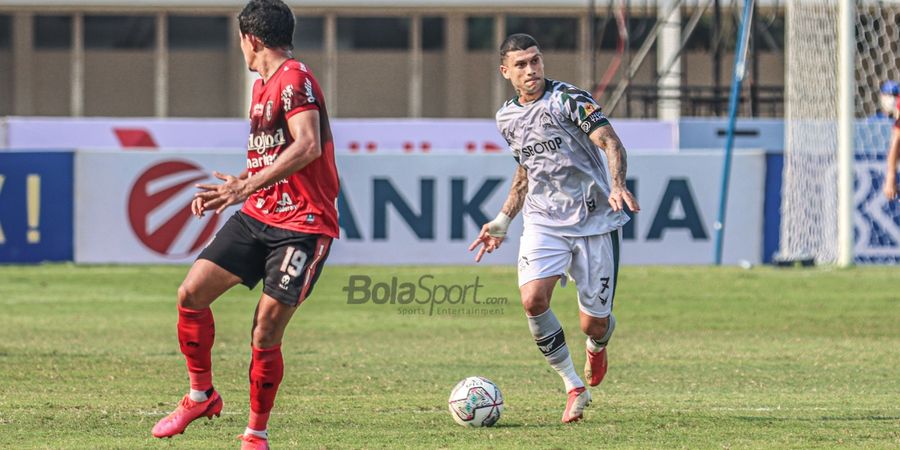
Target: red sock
x=266, y=371
x=196, y=333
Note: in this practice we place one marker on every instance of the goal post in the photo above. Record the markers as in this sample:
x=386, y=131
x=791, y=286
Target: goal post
x=838, y=53
x=846, y=117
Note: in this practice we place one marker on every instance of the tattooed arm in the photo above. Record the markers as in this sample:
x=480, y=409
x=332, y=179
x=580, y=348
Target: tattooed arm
x=493, y=232
x=619, y=196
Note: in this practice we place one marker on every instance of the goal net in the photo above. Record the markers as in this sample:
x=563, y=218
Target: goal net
x=810, y=184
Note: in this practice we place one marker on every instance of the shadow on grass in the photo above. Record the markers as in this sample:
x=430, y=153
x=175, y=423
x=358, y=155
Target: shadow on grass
x=815, y=419
x=517, y=425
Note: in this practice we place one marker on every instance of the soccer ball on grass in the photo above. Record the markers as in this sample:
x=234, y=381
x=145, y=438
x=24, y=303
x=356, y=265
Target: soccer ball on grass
x=476, y=402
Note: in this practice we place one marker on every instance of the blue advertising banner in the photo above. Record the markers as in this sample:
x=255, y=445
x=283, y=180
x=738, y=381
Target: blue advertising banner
x=36, y=207
x=772, y=206
x=876, y=223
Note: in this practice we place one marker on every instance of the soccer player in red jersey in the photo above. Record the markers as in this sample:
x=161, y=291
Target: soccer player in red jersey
x=890, y=173
x=281, y=235
x=890, y=105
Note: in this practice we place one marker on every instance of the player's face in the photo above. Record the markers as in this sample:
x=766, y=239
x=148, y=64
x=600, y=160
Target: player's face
x=525, y=70
x=247, y=50
x=889, y=104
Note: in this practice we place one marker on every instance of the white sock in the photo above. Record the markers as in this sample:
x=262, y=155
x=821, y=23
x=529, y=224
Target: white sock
x=263, y=434
x=566, y=370
x=550, y=339
x=593, y=346
x=198, y=396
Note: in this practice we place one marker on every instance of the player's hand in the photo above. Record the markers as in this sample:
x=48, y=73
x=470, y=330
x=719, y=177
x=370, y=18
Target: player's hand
x=197, y=207
x=220, y=196
x=890, y=189
x=619, y=198
x=488, y=243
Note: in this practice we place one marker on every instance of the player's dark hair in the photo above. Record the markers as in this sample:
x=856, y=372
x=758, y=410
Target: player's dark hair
x=518, y=41
x=270, y=20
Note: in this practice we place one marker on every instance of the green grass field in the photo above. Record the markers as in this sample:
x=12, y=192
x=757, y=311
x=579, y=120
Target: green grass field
x=702, y=358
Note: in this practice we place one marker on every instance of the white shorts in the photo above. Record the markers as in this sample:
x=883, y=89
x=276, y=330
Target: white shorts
x=592, y=262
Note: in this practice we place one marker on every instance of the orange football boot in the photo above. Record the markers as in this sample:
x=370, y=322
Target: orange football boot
x=595, y=366
x=579, y=398
x=253, y=442
x=187, y=412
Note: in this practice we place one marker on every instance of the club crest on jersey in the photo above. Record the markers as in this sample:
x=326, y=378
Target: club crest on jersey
x=269, y=110
x=546, y=121
x=257, y=110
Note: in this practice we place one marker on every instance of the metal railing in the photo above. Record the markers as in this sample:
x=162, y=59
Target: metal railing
x=641, y=101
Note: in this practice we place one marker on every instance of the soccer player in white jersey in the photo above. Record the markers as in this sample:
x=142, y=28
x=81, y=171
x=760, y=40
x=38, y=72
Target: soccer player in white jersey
x=572, y=208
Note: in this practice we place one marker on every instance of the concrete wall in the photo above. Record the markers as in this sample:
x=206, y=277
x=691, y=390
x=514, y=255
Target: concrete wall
x=453, y=82
x=51, y=77
x=6, y=70
x=119, y=83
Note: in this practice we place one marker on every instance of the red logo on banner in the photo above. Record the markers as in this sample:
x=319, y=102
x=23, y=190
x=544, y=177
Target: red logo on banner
x=134, y=138
x=159, y=209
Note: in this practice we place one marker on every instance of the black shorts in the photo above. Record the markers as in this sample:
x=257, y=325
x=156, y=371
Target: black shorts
x=289, y=261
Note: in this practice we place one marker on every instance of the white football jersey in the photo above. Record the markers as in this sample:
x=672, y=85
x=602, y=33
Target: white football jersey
x=568, y=187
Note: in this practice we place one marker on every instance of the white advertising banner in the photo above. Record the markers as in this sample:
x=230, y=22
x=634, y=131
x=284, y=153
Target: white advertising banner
x=679, y=197
x=135, y=207
x=379, y=136
x=395, y=209
x=112, y=133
